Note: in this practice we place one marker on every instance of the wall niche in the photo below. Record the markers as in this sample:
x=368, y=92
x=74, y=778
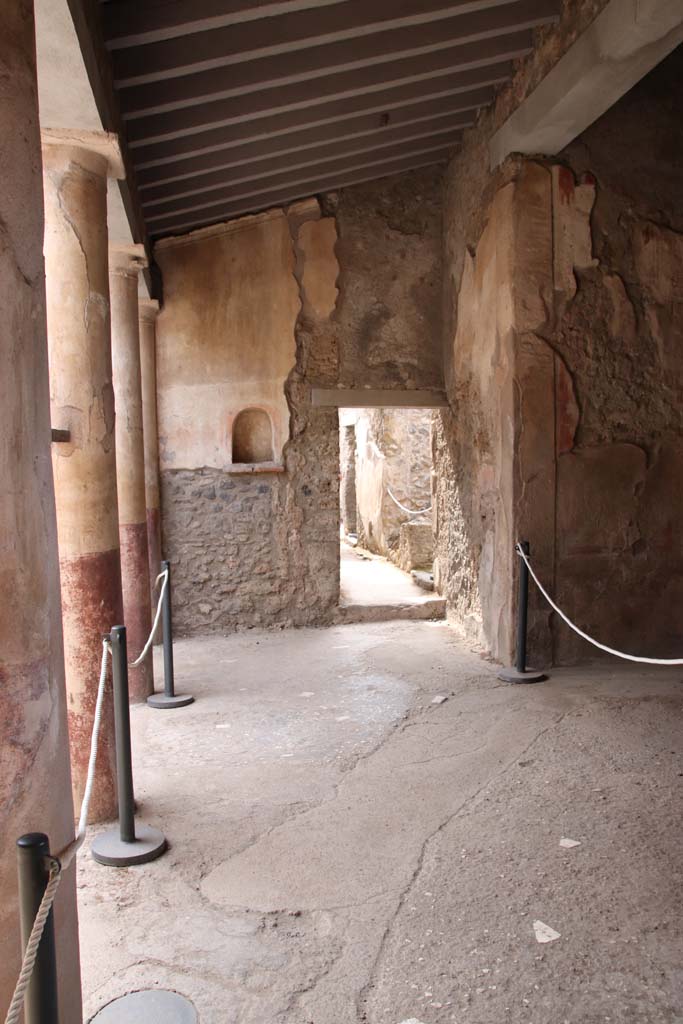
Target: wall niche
x=252, y=437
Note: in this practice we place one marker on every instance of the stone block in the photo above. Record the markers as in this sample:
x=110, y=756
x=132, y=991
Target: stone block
x=416, y=546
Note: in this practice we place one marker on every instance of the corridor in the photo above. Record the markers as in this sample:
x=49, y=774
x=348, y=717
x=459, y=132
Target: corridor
x=365, y=826
x=374, y=589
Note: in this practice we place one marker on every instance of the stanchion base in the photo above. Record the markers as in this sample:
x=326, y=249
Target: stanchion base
x=530, y=675
x=160, y=700
x=108, y=848
x=151, y=1006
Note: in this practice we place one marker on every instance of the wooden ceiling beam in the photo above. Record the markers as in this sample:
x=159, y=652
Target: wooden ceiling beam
x=297, y=181
x=400, y=24
x=283, y=197
x=312, y=156
x=303, y=96
x=319, y=163
x=391, y=106
x=372, y=59
x=132, y=23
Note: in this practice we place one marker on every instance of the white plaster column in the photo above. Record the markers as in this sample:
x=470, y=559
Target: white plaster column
x=148, y=309
x=35, y=782
x=75, y=170
x=125, y=263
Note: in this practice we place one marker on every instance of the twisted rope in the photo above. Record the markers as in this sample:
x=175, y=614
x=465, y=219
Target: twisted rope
x=31, y=951
x=596, y=643
x=57, y=865
x=162, y=575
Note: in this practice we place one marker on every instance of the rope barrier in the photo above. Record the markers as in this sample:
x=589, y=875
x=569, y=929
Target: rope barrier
x=580, y=632
x=59, y=864
x=31, y=951
x=162, y=575
x=409, y=511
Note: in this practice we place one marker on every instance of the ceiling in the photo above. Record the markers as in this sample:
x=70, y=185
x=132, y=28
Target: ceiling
x=232, y=106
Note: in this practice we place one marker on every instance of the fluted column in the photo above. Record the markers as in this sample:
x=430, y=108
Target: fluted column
x=75, y=170
x=125, y=263
x=148, y=309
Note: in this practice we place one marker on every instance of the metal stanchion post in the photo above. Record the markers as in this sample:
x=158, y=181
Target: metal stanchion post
x=168, y=699
x=128, y=844
x=520, y=673
x=40, y=1002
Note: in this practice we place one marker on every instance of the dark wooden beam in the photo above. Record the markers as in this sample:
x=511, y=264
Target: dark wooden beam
x=132, y=23
x=401, y=105
x=304, y=96
x=429, y=20
x=282, y=197
x=237, y=188
x=364, y=60
x=86, y=18
x=381, y=140
x=339, y=138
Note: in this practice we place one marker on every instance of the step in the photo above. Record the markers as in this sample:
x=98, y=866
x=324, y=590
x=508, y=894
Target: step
x=432, y=608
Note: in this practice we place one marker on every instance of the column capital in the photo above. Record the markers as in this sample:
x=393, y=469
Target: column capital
x=103, y=145
x=148, y=309
x=127, y=259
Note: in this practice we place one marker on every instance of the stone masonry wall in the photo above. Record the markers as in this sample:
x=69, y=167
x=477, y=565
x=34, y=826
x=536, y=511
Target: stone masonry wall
x=364, y=267
x=588, y=371
x=618, y=344
x=393, y=453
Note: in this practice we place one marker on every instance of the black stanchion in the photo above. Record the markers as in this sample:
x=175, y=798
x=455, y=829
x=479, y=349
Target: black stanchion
x=129, y=843
x=40, y=1001
x=520, y=673
x=169, y=698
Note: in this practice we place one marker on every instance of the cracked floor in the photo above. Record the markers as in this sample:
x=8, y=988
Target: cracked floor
x=348, y=848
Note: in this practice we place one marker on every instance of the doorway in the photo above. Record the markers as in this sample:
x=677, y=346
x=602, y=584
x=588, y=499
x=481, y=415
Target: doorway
x=386, y=513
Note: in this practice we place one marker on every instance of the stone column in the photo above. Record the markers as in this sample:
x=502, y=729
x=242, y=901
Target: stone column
x=75, y=170
x=148, y=309
x=35, y=781
x=125, y=262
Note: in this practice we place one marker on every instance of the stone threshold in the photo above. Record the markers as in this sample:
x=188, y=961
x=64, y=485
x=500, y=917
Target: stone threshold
x=434, y=608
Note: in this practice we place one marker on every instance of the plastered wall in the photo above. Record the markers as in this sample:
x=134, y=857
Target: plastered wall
x=338, y=292
x=565, y=375
x=225, y=337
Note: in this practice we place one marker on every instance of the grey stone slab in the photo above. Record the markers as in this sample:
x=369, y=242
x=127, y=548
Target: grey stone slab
x=154, y=1006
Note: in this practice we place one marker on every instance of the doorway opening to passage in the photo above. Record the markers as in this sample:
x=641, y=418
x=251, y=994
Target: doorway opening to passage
x=386, y=518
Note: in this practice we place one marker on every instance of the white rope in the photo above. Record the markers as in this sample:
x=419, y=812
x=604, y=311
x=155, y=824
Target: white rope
x=410, y=511
x=31, y=952
x=596, y=643
x=59, y=864
x=69, y=853
x=162, y=575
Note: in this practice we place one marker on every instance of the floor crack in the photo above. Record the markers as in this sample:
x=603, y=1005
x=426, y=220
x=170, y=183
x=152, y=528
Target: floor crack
x=365, y=992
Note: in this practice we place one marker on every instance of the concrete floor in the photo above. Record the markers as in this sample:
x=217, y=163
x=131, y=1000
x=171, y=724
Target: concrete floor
x=373, y=589
x=347, y=846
